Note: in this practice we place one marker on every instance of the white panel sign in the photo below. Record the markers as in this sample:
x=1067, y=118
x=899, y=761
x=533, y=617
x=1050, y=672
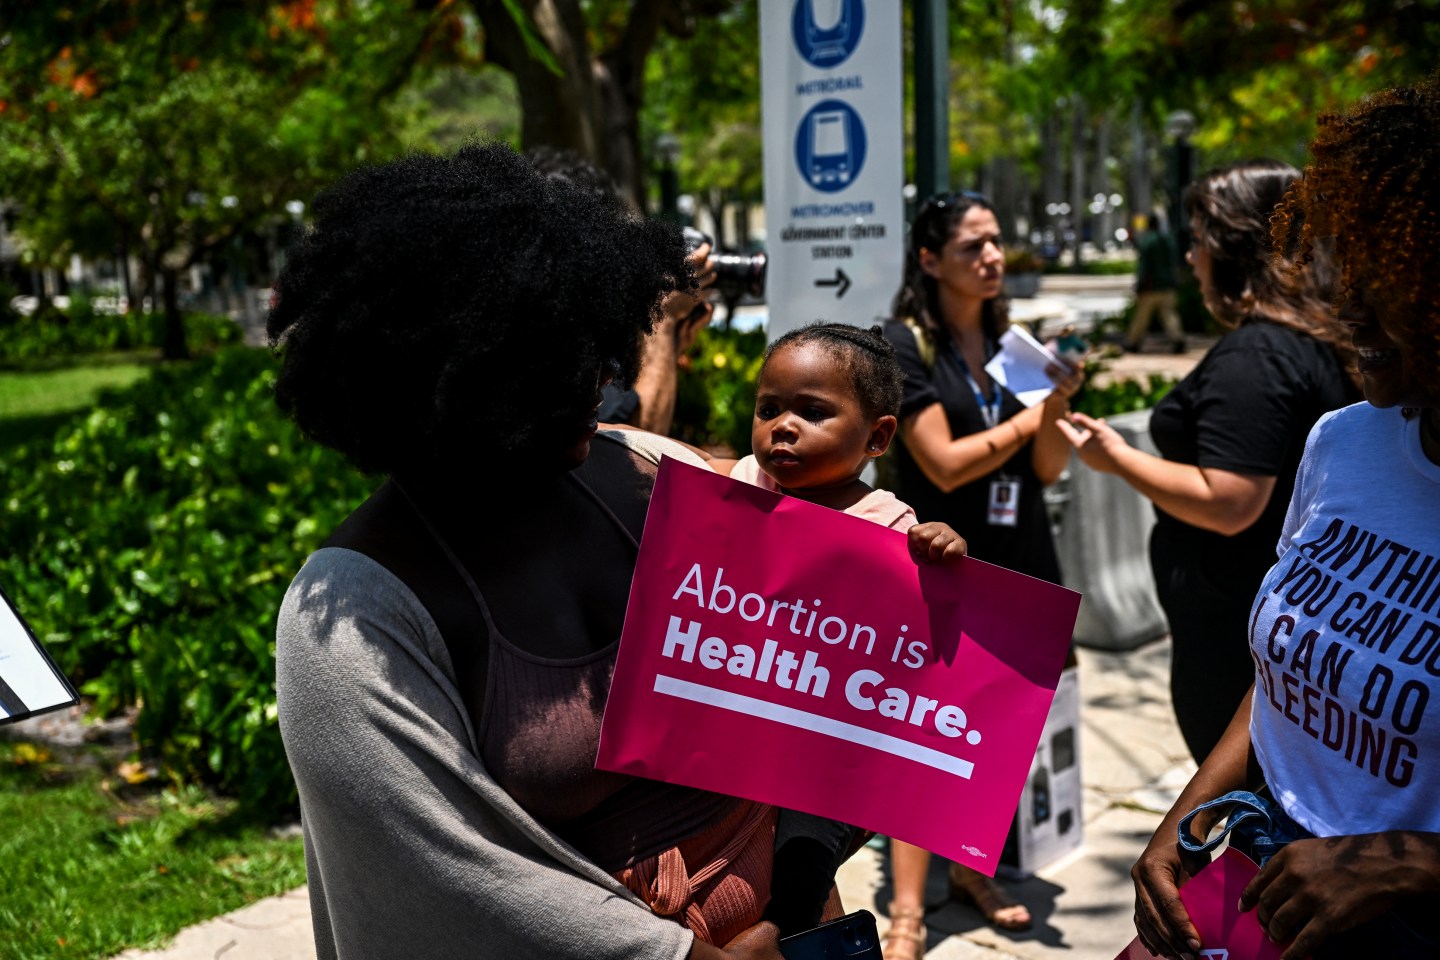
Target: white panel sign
x=29, y=682
x=834, y=160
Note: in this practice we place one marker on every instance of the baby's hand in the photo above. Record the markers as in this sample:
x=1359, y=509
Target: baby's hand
x=935, y=543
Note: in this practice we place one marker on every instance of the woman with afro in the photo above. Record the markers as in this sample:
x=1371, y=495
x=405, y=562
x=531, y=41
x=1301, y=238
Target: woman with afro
x=443, y=660
x=1329, y=767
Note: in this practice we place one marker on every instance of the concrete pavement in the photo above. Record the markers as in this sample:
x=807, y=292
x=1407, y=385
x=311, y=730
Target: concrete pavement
x=1132, y=762
x=1132, y=765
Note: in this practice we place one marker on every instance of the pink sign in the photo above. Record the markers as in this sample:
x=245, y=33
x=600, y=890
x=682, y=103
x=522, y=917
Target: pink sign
x=1211, y=898
x=791, y=654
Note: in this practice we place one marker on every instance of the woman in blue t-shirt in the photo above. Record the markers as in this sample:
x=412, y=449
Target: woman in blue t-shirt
x=1230, y=435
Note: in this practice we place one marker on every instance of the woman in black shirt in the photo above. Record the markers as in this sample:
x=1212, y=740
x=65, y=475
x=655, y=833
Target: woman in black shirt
x=971, y=454
x=1231, y=434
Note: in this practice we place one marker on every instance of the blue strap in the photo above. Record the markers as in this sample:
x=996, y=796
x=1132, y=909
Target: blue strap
x=1262, y=829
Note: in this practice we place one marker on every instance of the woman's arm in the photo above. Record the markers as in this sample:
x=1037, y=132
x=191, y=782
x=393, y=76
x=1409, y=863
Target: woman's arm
x=1206, y=497
x=414, y=846
x=760, y=942
x=1050, y=454
x=951, y=462
x=719, y=465
x=1160, y=917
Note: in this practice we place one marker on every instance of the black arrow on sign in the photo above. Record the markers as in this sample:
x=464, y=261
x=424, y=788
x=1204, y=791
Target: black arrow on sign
x=841, y=281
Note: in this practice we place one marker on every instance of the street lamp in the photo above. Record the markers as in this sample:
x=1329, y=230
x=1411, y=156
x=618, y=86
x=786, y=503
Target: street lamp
x=667, y=151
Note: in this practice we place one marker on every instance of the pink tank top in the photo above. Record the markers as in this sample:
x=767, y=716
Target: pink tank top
x=539, y=733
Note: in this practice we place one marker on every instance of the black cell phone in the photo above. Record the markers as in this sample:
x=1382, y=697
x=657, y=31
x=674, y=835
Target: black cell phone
x=852, y=937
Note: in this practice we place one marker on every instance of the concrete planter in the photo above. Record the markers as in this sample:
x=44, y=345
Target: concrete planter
x=1104, y=547
x=1022, y=285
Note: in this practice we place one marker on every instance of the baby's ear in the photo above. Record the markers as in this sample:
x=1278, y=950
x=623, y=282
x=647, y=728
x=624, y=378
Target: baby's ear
x=880, y=436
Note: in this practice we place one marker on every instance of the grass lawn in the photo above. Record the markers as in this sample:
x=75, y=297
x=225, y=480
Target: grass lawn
x=34, y=403
x=93, y=865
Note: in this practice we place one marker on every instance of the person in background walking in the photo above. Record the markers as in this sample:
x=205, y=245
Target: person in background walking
x=1230, y=434
x=1155, y=288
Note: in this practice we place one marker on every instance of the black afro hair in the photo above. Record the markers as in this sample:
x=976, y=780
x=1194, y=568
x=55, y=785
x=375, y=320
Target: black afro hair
x=441, y=305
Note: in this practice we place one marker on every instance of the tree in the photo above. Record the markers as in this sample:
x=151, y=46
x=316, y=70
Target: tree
x=579, y=66
x=705, y=91
x=168, y=129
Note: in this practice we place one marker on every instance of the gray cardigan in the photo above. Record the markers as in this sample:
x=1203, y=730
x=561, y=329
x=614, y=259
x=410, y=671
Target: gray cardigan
x=412, y=849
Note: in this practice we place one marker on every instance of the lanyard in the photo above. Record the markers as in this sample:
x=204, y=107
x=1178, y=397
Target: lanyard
x=989, y=409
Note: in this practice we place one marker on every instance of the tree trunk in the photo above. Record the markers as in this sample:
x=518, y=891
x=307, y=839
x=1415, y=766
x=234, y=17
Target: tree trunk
x=593, y=108
x=1077, y=172
x=1104, y=220
x=1142, y=204
x=560, y=111
x=174, y=347
x=128, y=284
x=1052, y=171
x=1004, y=174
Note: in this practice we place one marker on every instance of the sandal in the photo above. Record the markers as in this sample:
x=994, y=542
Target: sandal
x=905, y=940
x=1000, y=910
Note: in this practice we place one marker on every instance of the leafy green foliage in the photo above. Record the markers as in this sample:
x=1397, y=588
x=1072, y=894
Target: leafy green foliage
x=95, y=866
x=80, y=329
x=448, y=107
x=150, y=544
x=715, y=402
x=36, y=403
x=705, y=91
x=168, y=129
x=1122, y=396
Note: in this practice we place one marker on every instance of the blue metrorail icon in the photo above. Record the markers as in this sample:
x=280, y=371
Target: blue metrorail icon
x=827, y=46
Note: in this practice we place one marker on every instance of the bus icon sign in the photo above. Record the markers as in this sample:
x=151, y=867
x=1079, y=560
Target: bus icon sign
x=826, y=32
x=830, y=146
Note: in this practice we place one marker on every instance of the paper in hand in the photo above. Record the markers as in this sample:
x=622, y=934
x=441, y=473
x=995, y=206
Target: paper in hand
x=30, y=683
x=1020, y=366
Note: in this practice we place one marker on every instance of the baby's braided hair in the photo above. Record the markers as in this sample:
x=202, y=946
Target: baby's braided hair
x=866, y=357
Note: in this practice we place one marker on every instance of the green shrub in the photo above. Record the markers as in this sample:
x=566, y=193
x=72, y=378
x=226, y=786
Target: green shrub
x=1095, y=268
x=715, y=400
x=150, y=544
x=1121, y=396
x=80, y=329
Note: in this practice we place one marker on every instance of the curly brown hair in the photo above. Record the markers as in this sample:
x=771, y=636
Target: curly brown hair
x=1374, y=187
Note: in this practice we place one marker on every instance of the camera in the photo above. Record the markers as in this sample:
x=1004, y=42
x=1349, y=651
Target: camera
x=736, y=274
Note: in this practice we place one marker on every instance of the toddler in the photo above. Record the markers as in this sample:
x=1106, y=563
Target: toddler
x=825, y=406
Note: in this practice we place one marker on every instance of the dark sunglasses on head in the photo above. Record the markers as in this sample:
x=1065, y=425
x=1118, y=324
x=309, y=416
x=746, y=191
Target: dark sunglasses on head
x=942, y=200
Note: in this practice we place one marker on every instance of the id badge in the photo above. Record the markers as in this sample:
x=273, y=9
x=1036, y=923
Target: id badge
x=1004, y=502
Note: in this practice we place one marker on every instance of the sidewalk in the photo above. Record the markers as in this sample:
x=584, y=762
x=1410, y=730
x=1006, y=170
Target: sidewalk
x=1132, y=764
x=1132, y=761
